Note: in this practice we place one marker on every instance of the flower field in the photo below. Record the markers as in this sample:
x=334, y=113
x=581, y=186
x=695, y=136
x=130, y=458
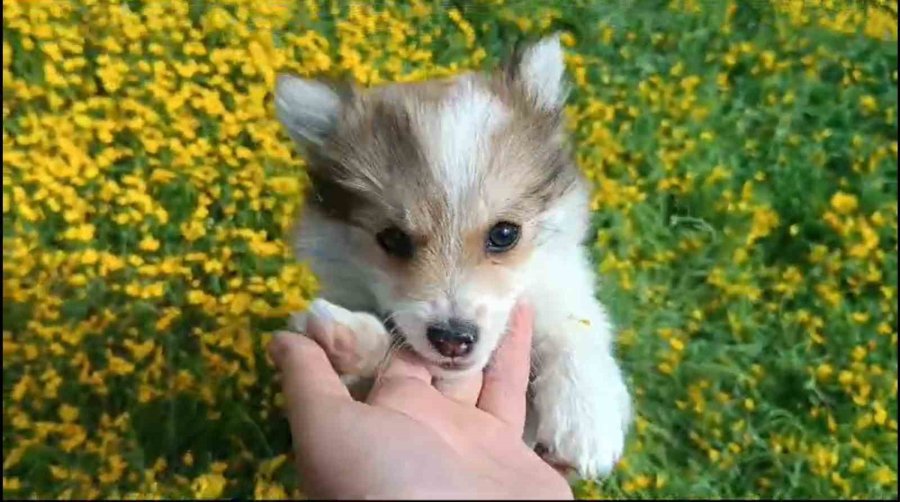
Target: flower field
x=744, y=155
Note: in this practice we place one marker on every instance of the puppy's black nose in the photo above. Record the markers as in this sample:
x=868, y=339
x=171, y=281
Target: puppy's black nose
x=454, y=338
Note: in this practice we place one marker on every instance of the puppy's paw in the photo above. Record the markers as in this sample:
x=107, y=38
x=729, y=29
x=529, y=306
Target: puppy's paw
x=354, y=341
x=582, y=427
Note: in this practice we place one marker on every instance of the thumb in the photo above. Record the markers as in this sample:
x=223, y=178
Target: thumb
x=506, y=378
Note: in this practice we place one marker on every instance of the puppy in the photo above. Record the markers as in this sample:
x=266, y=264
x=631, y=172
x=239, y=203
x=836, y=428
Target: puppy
x=434, y=207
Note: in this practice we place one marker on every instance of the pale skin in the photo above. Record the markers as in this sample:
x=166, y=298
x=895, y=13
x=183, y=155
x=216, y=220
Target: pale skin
x=412, y=438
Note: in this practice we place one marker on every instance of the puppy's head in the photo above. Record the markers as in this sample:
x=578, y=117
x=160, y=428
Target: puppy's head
x=443, y=193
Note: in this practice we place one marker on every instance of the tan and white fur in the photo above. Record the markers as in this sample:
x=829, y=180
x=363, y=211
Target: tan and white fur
x=443, y=162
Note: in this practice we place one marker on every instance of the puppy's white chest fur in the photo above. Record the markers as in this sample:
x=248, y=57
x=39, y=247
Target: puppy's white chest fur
x=435, y=207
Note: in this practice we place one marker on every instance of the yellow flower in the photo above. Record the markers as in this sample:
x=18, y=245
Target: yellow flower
x=213, y=267
x=764, y=221
x=265, y=490
x=845, y=377
x=59, y=473
x=139, y=350
x=68, y=413
x=868, y=104
x=119, y=366
x=824, y=372
x=193, y=230
x=860, y=317
x=11, y=484
x=844, y=203
x=880, y=416
x=83, y=233
x=148, y=243
x=884, y=476
x=77, y=280
x=208, y=486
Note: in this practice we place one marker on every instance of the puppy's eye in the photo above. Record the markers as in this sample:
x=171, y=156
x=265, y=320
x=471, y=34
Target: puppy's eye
x=395, y=242
x=502, y=237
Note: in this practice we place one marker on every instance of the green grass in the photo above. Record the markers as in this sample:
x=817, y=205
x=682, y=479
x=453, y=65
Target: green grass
x=744, y=156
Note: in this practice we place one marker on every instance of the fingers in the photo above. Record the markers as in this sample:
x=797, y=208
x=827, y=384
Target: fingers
x=506, y=378
x=306, y=373
x=405, y=364
x=465, y=389
x=401, y=383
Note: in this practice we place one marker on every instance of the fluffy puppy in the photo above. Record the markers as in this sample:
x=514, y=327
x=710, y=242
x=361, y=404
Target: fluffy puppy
x=434, y=206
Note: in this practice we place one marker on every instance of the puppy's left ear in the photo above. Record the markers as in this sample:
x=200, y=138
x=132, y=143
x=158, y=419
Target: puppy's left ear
x=308, y=109
x=538, y=70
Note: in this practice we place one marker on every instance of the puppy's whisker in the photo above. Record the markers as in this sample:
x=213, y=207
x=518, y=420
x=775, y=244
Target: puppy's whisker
x=397, y=344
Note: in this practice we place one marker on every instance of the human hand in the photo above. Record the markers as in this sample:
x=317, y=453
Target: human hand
x=411, y=438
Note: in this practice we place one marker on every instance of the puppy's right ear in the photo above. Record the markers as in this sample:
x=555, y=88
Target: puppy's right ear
x=308, y=109
x=539, y=68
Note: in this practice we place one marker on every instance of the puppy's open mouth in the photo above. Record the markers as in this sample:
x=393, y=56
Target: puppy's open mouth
x=399, y=337
x=456, y=365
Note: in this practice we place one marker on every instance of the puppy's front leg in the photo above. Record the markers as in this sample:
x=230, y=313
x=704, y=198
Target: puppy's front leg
x=356, y=342
x=582, y=405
